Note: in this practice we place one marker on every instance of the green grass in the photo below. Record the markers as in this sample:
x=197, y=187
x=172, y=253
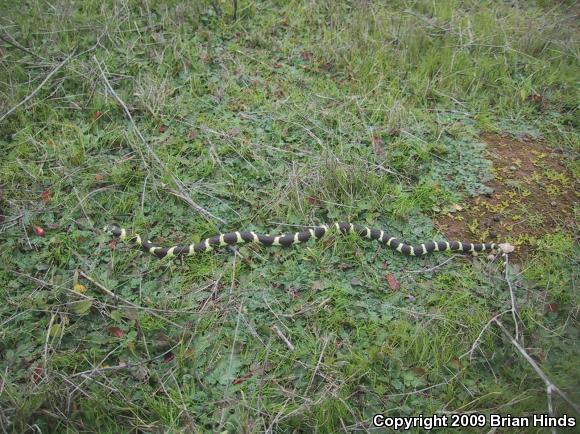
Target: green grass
x=296, y=113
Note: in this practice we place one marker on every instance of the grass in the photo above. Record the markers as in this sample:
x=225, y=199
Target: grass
x=295, y=113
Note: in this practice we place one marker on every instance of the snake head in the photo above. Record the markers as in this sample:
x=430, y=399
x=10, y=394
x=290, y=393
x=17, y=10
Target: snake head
x=506, y=248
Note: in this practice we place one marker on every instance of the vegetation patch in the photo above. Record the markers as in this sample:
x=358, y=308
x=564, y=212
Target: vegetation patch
x=182, y=119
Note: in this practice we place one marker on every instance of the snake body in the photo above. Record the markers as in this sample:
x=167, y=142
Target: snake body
x=318, y=232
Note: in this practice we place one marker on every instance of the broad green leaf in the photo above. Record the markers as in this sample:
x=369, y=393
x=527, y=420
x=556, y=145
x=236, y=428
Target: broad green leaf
x=82, y=306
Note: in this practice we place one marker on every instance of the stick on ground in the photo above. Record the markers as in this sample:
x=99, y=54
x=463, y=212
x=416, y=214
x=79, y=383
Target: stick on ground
x=35, y=91
x=551, y=387
x=151, y=152
x=284, y=338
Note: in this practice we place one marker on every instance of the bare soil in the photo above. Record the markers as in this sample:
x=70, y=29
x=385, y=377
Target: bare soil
x=533, y=195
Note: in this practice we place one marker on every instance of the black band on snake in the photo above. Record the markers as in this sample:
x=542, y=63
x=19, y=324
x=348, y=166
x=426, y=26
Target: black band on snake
x=316, y=233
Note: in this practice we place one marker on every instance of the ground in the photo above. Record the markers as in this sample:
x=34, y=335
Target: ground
x=181, y=119
x=532, y=194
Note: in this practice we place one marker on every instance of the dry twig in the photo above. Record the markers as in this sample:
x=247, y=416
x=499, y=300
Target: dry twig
x=476, y=342
x=14, y=43
x=512, y=296
x=35, y=91
x=284, y=338
x=551, y=387
x=182, y=190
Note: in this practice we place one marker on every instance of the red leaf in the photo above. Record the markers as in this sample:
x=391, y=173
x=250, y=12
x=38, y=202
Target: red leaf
x=312, y=200
x=168, y=357
x=39, y=231
x=393, y=283
x=37, y=374
x=552, y=307
x=98, y=114
x=113, y=245
x=116, y=331
x=98, y=177
x=46, y=196
x=162, y=128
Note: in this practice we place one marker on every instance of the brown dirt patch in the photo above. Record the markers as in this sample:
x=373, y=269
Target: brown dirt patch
x=533, y=195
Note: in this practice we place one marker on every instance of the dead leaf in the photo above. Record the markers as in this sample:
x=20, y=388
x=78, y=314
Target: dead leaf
x=81, y=289
x=243, y=378
x=457, y=207
x=46, y=196
x=394, y=284
x=377, y=142
x=116, y=331
x=421, y=372
x=293, y=292
x=327, y=66
x=37, y=374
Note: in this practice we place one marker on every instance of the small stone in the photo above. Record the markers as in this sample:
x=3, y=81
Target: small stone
x=513, y=168
x=553, y=203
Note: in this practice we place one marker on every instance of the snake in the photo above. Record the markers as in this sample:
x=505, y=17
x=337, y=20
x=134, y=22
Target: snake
x=289, y=239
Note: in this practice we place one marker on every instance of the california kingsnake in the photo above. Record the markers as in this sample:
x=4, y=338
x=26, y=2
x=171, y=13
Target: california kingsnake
x=317, y=233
